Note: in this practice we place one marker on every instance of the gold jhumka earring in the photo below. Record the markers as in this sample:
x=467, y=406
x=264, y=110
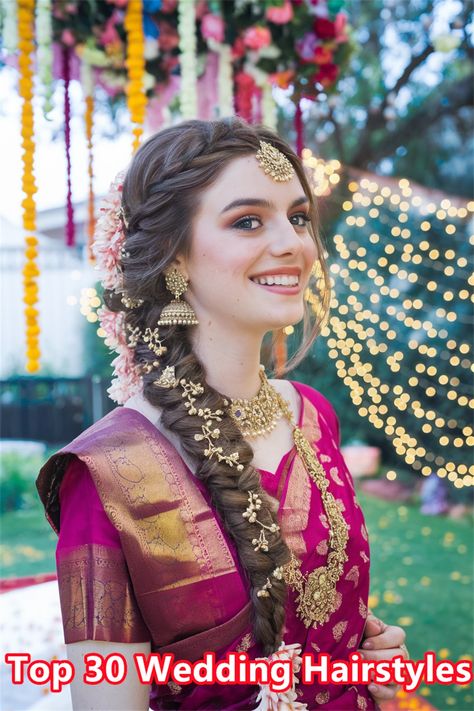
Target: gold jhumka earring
x=177, y=311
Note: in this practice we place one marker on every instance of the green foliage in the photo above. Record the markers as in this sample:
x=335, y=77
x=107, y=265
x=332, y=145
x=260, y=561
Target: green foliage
x=17, y=477
x=404, y=106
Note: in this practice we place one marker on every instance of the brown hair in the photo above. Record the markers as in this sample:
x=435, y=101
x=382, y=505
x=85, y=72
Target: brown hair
x=161, y=193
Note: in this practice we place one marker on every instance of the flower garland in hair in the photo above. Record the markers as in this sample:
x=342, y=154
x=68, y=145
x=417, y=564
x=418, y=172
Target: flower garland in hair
x=44, y=38
x=188, y=59
x=107, y=249
x=30, y=270
x=287, y=700
x=135, y=63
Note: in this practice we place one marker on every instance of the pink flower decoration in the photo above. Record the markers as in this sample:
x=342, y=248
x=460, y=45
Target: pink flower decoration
x=257, y=37
x=280, y=15
x=212, y=27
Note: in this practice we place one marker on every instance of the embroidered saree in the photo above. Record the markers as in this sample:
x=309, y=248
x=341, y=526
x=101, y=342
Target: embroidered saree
x=142, y=556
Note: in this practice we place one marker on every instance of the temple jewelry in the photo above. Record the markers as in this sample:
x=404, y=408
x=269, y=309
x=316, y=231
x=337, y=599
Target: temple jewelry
x=261, y=413
x=274, y=162
x=316, y=590
x=167, y=378
x=177, y=311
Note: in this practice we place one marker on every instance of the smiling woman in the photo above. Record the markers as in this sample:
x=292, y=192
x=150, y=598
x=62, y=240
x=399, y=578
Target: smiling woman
x=170, y=537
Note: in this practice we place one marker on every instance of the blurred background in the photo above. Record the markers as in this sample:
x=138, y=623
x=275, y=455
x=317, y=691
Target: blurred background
x=377, y=98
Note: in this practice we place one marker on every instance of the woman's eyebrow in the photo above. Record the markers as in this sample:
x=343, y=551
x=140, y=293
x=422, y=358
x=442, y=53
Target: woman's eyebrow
x=258, y=202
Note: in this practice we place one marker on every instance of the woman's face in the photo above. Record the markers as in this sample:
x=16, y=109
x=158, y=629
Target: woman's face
x=248, y=224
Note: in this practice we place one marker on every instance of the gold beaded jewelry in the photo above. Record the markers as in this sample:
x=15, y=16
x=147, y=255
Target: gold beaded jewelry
x=261, y=413
x=274, y=162
x=167, y=378
x=130, y=303
x=316, y=590
x=177, y=312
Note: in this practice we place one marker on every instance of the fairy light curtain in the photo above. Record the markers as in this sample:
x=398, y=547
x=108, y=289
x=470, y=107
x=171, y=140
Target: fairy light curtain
x=401, y=316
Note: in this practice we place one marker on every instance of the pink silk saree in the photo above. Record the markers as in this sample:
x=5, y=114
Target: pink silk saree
x=170, y=574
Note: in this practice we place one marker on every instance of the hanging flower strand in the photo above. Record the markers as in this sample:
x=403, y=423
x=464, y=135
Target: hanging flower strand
x=70, y=228
x=30, y=270
x=188, y=59
x=44, y=39
x=135, y=63
x=88, y=90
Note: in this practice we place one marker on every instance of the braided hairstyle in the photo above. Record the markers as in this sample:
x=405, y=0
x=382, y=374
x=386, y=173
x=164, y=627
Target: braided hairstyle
x=161, y=193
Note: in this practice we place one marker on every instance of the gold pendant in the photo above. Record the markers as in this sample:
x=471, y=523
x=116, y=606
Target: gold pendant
x=317, y=591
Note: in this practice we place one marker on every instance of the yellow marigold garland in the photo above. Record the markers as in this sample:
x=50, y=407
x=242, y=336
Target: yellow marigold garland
x=135, y=63
x=26, y=10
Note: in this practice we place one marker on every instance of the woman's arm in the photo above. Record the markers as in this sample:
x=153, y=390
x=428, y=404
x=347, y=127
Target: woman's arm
x=130, y=695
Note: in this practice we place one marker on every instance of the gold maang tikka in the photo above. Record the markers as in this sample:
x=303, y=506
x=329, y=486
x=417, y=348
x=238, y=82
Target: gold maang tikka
x=177, y=311
x=274, y=163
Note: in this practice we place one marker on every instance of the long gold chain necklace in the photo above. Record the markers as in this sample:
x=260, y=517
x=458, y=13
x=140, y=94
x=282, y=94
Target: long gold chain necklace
x=315, y=591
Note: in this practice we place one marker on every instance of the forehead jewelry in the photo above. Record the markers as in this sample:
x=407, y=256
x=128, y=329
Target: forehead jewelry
x=274, y=163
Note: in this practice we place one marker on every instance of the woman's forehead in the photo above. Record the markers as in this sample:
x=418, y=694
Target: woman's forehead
x=244, y=178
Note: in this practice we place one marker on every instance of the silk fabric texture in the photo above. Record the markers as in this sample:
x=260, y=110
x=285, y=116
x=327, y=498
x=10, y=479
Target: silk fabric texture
x=143, y=556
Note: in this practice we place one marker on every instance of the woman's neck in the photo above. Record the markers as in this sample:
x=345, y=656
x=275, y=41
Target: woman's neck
x=231, y=361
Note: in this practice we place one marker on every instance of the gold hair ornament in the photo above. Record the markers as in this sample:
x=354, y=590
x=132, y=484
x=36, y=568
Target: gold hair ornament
x=274, y=163
x=130, y=303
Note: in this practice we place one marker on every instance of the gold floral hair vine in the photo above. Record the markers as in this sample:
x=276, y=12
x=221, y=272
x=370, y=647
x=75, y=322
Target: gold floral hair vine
x=210, y=432
x=274, y=163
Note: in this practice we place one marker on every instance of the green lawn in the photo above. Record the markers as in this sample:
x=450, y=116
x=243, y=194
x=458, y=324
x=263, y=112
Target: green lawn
x=421, y=578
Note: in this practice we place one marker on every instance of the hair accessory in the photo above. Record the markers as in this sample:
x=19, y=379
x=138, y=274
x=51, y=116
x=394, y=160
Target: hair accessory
x=167, y=378
x=130, y=303
x=122, y=216
x=255, y=503
x=177, y=312
x=207, y=433
x=263, y=591
x=274, y=162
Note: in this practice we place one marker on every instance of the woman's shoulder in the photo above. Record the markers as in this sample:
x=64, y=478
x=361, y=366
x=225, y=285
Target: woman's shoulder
x=321, y=403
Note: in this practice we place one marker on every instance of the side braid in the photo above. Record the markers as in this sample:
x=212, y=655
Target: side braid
x=227, y=486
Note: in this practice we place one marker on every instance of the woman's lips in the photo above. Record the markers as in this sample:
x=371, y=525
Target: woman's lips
x=279, y=288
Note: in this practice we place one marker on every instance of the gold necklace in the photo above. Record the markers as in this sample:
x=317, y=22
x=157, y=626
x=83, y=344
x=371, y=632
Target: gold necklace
x=261, y=413
x=316, y=590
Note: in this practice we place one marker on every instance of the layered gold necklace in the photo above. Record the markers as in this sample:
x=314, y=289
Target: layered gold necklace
x=316, y=591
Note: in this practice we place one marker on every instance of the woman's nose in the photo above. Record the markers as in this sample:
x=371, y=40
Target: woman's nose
x=286, y=238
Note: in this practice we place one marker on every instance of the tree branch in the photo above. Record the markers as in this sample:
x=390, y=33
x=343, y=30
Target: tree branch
x=439, y=104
